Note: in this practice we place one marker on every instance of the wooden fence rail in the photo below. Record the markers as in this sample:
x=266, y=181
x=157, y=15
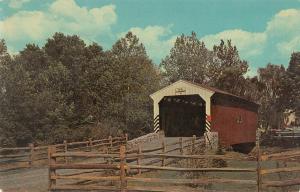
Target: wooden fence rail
x=26, y=157
x=126, y=165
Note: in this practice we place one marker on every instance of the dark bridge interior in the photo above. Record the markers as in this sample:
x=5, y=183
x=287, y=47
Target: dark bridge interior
x=182, y=115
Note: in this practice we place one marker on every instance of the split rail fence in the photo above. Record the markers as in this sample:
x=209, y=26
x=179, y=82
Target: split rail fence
x=122, y=170
x=26, y=157
x=119, y=164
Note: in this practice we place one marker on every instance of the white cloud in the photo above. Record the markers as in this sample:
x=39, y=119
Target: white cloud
x=17, y=4
x=284, y=30
x=285, y=23
x=156, y=39
x=286, y=48
x=62, y=16
x=33, y=25
x=248, y=43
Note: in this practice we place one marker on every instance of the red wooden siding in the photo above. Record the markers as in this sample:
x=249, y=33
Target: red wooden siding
x=234, y=125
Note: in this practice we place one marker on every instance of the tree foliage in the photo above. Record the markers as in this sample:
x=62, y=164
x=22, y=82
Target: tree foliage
x=227, y=70
x=136, y=79
x=271, y=79
x=189, y=59
x=291, y=84
x=221, y=67
x=70, y=90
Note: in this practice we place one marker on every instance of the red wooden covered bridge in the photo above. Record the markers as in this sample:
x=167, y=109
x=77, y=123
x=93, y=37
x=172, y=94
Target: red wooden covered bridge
x=185, y=109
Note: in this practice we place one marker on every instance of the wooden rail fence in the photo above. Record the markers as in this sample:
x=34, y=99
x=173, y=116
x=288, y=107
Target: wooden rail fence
x=127, y=165
x=26, y=157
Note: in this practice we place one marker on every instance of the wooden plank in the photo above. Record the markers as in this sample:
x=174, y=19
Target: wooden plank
x=151, y=150
x=278, y=170
x=139, y=160
x=99, y=140
x=282, y=155
x=84, y=154
x=84, y=187
x=13, y=167
x=65, y=150
x=93, y=178
x=170, y=189
x=14, y=148
x=52, y=171
x=258, y=165
x=191, y=181
x=153, y=155
x=285, y=183
x=84, y=166
x=31, y=157
x=84, y=172
x=126, y=138
x=110, y=141
x=123, y=183
x=227, y=169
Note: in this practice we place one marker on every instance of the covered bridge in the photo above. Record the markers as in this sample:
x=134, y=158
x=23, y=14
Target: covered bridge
x=183, y=109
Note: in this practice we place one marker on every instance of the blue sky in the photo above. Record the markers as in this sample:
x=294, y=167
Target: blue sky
x=263, y=30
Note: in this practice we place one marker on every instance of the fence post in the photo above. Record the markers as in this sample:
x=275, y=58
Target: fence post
x=123, y=186
x=106, y=159
x=91, y=144
x=258, y=164
x=181, y=145
x=193, y=144
x=110, y=142
x=163, y=161
x=52, y=172
x=126, y=138
x=31, y=158
x=139, y=158
x=66, y=150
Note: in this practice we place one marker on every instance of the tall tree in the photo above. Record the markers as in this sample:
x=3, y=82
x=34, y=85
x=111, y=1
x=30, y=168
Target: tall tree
x=189, y=59
x=291, y=84
x=7, y=127
x=228, y=70
x=271, y=78
x=135, y=78
x=70, y=51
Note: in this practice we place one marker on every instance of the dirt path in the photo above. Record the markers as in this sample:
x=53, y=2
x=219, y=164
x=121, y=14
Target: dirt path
x=25, y=180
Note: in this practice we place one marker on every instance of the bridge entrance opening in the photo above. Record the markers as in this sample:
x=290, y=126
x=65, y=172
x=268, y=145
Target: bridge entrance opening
x=182, y=115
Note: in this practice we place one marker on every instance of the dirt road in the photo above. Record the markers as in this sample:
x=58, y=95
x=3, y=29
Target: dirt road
x=25, y=180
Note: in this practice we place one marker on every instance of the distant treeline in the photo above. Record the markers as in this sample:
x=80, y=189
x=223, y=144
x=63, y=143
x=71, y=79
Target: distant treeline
x=67, y=90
